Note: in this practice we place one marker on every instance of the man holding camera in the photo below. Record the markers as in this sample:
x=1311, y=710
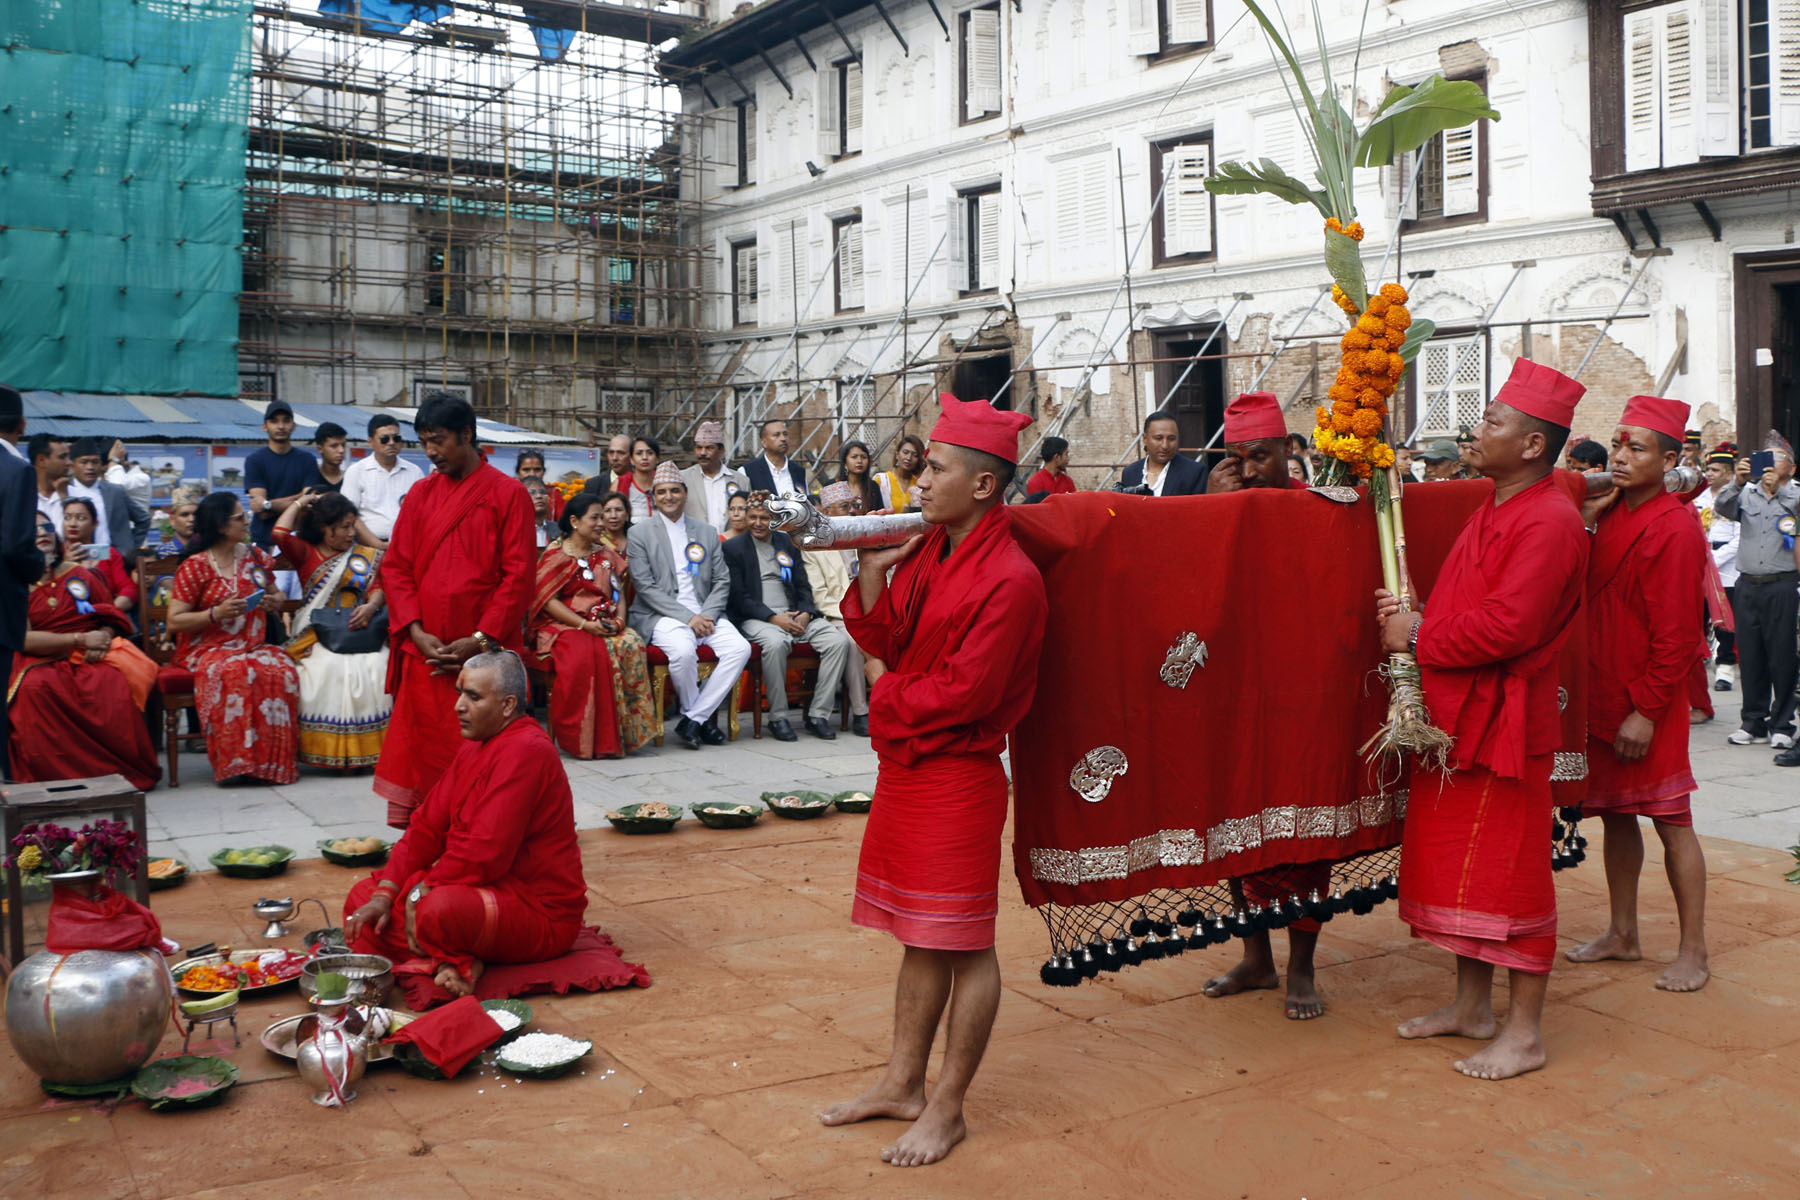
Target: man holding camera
x=1763, y=499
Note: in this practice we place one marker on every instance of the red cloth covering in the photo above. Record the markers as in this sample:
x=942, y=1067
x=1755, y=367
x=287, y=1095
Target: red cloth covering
x=1646, y=611
x=463, y=558
x=1043, y=481
x=978, y=425
x=960, y=635
x=1256, y=762
x=593, y=964
x=1475, y=875
x=494, y=840
x=450, y=1037
x=104, y=921
x=72, y=718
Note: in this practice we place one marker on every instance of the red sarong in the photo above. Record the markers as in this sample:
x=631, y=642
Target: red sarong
x=960, y=631
x=462, y=559
x=1475, y=874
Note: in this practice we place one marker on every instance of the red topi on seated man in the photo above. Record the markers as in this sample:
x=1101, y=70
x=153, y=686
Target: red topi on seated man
x=488, y=870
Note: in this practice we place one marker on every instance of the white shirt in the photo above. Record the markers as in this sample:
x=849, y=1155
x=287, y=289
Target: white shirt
x=718, y=499
x=12, y=448
x=102, y=533
x=134, y=479
x=1157, y=486
x=1722, y=536
x=52, y=506
x=676, y=532
x=784, y=482
x=377, y=492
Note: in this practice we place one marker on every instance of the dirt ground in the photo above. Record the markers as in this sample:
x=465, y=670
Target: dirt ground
x=767, y=1005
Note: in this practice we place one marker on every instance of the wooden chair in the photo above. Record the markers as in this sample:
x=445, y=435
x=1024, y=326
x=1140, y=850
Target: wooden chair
x=659, y=685
x=174, y=684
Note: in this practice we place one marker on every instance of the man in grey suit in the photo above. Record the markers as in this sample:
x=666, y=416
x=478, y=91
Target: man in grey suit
x=120, y=522
x=21, y=563
x=683, y=586
x=710, y=483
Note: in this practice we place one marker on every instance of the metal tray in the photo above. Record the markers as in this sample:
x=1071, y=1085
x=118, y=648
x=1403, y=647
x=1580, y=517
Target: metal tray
x=236, y=956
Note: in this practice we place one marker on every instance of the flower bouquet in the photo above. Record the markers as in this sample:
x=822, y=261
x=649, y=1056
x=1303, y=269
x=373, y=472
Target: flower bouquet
x=1355, y=431
x=43, y=850
x=80, y=865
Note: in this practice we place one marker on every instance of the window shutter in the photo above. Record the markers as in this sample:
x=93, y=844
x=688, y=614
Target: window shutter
x=749, y=119
x=1066, y=222
x=850, y=264
x=987, y=238
x=721, y=126
x=1143, y=34
x=983, y=63
x=1462, y=170
x=1784, y=80
x=1187, y=205
x=709, y=294
x=1716, y=50
x=744, y=289
x=1680, y=141
x=781, y=279
x=907, y=248
x=1643, y=89
x=954, y=256
x=853, y=108
x=1096, y=210
x=1187, y=21
x=831, y=138
x=762, y=281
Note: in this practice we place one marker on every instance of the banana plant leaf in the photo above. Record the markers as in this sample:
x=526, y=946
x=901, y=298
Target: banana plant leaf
x=1264, y=178
x=1343, y=258
x=1411, y=116
x=1417, y=334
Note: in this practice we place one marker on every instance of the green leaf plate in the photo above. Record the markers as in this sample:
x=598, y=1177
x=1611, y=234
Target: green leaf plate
x=185, y=1081
x=724, y=814
x=517, y=1008
x=550, y=1072
x=853, y=802
x=808, y=806
x=370, y=858
x=625, y=819
x=242, y=870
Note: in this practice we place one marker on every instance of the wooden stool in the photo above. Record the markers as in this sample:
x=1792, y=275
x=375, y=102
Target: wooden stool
x=70, y=802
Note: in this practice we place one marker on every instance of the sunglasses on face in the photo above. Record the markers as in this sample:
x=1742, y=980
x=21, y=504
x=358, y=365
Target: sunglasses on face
x=385, y=441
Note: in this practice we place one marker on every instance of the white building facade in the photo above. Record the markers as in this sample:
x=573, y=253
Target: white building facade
x=928, y=196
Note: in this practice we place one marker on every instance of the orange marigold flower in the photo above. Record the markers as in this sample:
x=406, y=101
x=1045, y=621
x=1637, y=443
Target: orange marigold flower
x=1365, y=423
x=1377, y=304
x=1393, y=293
x=1397, y=318
x=1374, y=361
x=1396, y=366
x=1343, y=408
x=1342, y=301
x=1382, y=456
x=1356, y=339
x=1331, y=223
x=1368, y=397
x=1342, y=391
x=1371, y=324
x=1361, y=469
x=1341, y=424
x=1381, y=343
x=1321, y=415
x=1355, y=231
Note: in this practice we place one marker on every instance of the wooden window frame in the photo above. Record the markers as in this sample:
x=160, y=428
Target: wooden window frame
x=743, y=130
x=746, y=245
x=1484, y=177
x=1159, y=256
x=838, y=225
x=1171, y=51
x=968, y=201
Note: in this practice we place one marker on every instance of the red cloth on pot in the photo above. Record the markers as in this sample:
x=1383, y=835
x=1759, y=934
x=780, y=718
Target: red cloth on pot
x=453, y=1035
x=105, y=920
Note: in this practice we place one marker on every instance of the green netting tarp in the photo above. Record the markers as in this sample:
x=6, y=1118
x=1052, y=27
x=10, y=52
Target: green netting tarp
x=122, y=141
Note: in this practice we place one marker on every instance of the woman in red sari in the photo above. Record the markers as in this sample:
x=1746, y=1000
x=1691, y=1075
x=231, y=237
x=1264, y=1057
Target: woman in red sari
x=600, y=705
x=104, y=561
x=78, y=689
x=246, y=691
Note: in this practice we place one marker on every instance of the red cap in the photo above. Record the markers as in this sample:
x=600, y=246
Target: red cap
x=1254, y=415
x=978, y=425
x=1656, y=413
x=1542, y=392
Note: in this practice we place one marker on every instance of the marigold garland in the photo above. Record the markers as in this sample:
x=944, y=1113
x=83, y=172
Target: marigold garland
x=1350, y=429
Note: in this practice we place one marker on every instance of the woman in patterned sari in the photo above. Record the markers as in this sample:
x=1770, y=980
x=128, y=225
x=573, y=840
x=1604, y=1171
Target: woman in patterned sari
x=77, y=692
x=600, y=705
x=344, y=702
x=246, y=691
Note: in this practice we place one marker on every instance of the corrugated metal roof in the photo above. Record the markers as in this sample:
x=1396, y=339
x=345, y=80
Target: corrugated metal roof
x=185, y=419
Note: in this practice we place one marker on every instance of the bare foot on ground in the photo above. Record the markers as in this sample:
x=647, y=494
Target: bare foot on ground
x=1242, y=978
x=876, y=1102
x=1303, y=999
x=1449, y=1021
x=1688, y=973
x=452, y=981
x=1608, y=945
x=929, y=1140
x=1504, y=1059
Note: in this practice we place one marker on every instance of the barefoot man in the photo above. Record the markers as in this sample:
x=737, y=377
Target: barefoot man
x=1256, y=457
x=960, y=628
x=1475, y=874
x=488, y=870
x=1644, y=603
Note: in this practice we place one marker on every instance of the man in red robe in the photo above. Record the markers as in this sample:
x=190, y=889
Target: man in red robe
x=488, y=871
x=1474, y=876
x=458, y=574
x=1645, y=602
x=1255, y=438
x=959, y=630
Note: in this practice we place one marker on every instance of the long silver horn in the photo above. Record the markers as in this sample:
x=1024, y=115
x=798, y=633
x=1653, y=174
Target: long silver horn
x=813, y=530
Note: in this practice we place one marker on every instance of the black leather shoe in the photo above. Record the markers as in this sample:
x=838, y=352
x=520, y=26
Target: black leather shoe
x=859, y=726
x=689, y=733
x=1721, y=685
x=1789, y=757
x=781, y=731
x=709, y=732
x=819, y=727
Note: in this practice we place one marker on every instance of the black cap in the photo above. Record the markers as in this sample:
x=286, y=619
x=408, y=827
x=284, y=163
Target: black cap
x=275, y=408
x=12, y=403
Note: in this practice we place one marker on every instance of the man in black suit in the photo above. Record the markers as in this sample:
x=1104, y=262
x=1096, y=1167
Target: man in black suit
x=1164, y=470
x=21, y=563
x=618, y=465
x=772, y=602
x=773, y=471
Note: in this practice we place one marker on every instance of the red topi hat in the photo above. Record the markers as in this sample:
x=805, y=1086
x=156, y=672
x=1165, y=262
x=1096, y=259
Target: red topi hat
x=1657, y=413
x=1542, y=392
x=1254, y=415
x=978, y=425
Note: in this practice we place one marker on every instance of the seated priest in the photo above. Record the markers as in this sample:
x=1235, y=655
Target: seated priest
x=487, y=871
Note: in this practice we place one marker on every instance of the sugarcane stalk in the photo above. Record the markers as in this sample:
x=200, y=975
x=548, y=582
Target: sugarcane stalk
x=1408, y=728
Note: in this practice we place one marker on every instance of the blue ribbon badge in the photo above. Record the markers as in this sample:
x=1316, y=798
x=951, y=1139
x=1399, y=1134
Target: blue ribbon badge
x=78, y=591
x=785, y=561
x=259, y=577
x=1785, y=526
x=359, y=565
x=696, y=554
